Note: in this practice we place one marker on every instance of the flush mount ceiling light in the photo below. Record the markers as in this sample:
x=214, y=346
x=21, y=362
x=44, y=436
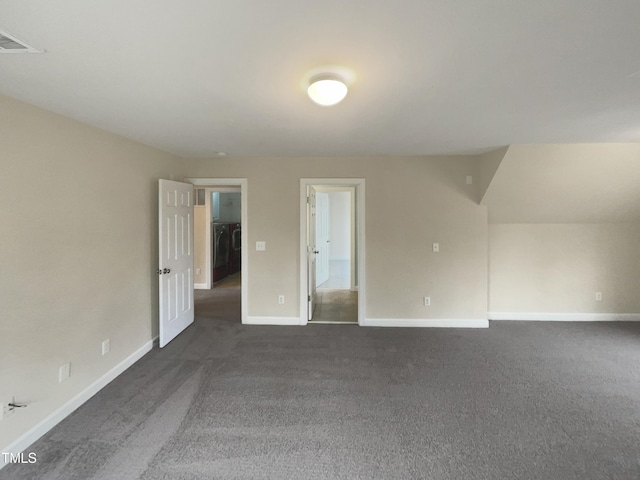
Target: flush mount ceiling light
x=327, y=89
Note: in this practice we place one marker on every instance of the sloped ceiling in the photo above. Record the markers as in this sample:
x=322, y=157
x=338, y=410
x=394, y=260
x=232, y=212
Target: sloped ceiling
x=429, y=76
x=596, y=183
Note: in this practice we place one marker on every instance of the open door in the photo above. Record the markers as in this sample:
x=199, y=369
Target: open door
x=311, y=250
x=322, y=237
x=175, y=268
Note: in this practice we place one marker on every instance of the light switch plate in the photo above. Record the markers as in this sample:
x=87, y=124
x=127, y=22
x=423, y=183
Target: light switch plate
x=261, y=246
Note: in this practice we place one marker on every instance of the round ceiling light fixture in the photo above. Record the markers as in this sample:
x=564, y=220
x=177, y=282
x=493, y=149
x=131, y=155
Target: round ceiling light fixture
x=327, y=89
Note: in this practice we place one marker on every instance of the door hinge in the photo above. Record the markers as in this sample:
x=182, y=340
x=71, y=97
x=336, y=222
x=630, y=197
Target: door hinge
x=308, y=298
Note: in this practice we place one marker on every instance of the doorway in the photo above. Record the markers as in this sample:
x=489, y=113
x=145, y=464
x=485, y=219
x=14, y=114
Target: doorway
x=332, y=251
x=220, y=248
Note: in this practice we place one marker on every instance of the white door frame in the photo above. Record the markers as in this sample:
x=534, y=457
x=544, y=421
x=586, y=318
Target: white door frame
x=359, y=184
x=211, y=184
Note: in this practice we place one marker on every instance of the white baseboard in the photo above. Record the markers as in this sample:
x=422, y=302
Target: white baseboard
x=426, y=322
x=273, y=321
x=200, y=286
x=565, y=317
x=33, y=434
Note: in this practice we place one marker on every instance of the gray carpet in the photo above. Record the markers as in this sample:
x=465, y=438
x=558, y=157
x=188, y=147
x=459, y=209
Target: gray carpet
x=517, y=401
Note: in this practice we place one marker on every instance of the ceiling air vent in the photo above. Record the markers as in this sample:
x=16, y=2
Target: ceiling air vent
x=10, y=44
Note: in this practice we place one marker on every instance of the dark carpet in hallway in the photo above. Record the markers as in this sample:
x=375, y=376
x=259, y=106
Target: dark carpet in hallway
x=226, y=401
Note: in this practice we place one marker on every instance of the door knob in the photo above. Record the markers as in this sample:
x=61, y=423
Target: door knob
x=167, y=270
x=316, y=251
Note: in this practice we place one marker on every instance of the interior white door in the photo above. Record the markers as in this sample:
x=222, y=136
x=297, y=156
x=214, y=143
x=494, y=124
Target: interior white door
x=322, y=237
x=311, y=250
x=175, y=270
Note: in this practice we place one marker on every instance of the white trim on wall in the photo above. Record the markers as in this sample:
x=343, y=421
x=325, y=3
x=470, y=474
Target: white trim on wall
x=565, y=317
x=273, y=321
x=426, y=322
x=200, y=286
x=359, y=187
x=30, y=436
x=233, y=182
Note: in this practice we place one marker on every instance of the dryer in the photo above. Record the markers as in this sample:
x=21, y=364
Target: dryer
x=220, y=241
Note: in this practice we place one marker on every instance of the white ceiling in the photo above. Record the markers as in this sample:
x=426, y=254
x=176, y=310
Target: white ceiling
x=442, y=76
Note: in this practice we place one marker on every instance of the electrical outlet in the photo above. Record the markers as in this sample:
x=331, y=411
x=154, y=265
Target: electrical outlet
x=64, y=372
x=281, y=299
x=197, y=271
x=436, y=247
x=469, y=179
x=261, y=246
x=427, y=301
x=106, y=346
x=598, y=296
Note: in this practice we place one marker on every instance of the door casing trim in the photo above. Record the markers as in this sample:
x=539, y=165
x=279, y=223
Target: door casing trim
x=209, y=182
x=359, y=184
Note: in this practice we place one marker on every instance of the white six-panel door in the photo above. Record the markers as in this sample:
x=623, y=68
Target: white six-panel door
x=175, y=268
x=322, y=237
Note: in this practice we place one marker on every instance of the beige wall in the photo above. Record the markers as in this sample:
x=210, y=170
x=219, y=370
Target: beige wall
x=78, y=230
x=558, y=268
x=410, y=203
x=564, y=224
x=200, y=225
